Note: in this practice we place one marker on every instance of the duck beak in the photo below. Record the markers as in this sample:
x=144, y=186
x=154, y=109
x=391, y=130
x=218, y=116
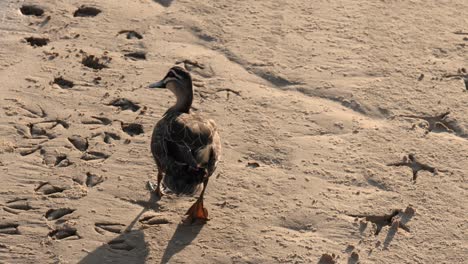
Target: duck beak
x=160, y=84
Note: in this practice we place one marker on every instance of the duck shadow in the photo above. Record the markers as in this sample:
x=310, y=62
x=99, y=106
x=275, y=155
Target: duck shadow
x=182, y=237
x=129, y=247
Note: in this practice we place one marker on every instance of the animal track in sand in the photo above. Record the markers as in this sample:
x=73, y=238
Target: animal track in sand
x=130, y=34
x=31, y=10
x=32, y=112
x=327, y=259
x=93, y=179
x=39, y=129
x=125, y=104
x=411, y=161
x=397, y=219
x=86, y=11
x=108, y=226
x=9, y=229
x=39, y=132
x=132, y=129
x=136, y=55
x=54, y=214
x=19, y=204
x=37, y=42
x=154, y=220
x=379, y=220
x=98, y=120
x=47, y=188
x=63, y=232
x=55, y=159
x=94, y=155
x=79, y=142
x=438, y=123
x=109, y=136
x=30, y=151
x=96, y=63
x=63, y=83
x=461, y=74
x=61, y=160
x=120, y=244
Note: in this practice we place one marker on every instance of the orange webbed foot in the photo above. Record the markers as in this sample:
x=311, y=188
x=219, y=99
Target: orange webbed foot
x=197, y=213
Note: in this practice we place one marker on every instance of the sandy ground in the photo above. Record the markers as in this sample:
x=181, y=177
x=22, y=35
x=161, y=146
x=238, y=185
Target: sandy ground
x=337, y=143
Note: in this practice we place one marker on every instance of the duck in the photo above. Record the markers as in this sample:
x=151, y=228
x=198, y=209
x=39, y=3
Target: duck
x=186, y=146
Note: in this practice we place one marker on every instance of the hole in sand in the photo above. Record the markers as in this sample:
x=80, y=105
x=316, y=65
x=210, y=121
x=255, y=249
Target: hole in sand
x=94, y=62
x=64, y=83
x=63, y=232
x=79, y=142
x=93, y=179
x=9, y=228
x=110, y=227
x=109, y=136
x=125, y=104
x=94, y=155
x=132, y=129
x=165, y=3
x=86, y=11
x=37, y=42
x=31, y=10
x=137, y=55
x=19, y=204
x=47, y=188
x=54, y=214
x=131, y=34
x=61, y=160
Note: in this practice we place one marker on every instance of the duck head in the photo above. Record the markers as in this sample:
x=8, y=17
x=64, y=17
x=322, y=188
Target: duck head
x=179, y=82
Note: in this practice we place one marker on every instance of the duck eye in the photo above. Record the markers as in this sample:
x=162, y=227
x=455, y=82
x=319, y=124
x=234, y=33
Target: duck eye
x=170, y=74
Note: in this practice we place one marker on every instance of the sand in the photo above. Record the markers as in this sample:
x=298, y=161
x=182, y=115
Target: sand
x=344, y=127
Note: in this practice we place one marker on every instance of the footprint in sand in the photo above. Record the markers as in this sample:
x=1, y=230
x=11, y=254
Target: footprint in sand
x=9, y=229
x=90, y=180
x=47, y=188
x=31, y=10
x=86, y=11
x=101, y=227
x=54, y=214
x=64, y=232
x=37, y=42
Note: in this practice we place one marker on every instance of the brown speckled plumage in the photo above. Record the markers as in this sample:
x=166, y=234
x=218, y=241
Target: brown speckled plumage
x=185, y=146
x=177, y=142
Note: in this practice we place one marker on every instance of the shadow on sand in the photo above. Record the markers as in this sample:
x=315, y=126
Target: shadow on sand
x=165, y=3
x=182, y=237
x=405, y=217
x=129, y=247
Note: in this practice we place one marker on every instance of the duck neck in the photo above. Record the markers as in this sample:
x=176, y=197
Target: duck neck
x=183, y=103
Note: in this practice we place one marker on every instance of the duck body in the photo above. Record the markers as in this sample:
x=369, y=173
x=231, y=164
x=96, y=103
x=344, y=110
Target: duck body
x=186, y=148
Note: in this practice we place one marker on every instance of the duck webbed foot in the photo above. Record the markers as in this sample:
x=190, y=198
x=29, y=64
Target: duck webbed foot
x=197, y=213
x=155, y=189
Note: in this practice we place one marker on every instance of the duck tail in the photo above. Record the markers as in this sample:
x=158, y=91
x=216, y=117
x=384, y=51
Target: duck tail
x=180, y=179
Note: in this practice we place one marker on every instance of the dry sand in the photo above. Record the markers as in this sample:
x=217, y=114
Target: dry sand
x=315, y=100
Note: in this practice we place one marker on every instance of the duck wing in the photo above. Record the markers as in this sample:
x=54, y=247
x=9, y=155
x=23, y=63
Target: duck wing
x=191, y=140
